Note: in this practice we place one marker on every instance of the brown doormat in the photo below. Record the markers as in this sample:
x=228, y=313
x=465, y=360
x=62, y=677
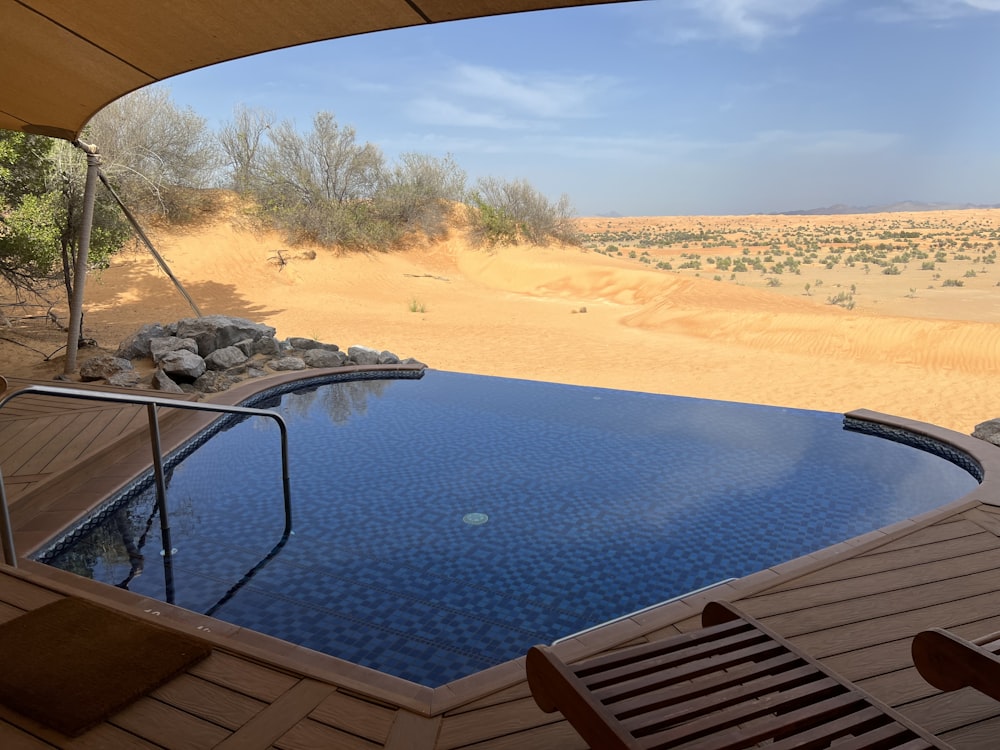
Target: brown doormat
x=71, y=664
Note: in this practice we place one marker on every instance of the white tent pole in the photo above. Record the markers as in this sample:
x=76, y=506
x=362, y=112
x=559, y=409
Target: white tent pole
x=80, y=272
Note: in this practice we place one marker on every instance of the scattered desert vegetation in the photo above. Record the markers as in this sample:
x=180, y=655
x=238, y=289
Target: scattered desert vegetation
x=845, y=257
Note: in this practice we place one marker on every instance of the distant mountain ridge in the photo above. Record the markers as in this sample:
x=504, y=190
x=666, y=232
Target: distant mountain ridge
x=840, y=208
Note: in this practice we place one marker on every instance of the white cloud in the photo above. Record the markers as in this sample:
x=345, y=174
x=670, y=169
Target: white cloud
x=476, y=96
x=533, y=95
x=931, y=10
x=435, y=111
x=824, y=143
x=751, y=21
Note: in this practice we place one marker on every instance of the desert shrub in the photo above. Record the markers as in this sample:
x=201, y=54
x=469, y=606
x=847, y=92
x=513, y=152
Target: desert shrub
x=417, y=194
x=952, y=282
x=842, y=299
x=504, y=212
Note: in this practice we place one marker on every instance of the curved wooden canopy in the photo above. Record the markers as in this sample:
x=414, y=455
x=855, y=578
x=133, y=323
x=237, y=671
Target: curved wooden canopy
x=62, y=61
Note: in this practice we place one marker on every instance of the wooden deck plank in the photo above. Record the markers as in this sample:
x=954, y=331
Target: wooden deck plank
x=495, y=721
x=410, y=731
x=556, y=736
x=24, y=595
x=985, y=519
x=56, y=447
x=125, y=419
x=954, y=528
x=209, y=701
x=172, y=728
x=15, y=738
x=91, y=426
x=252, y=679
x=314, y=735
x=859, y=609
x=32, y=442
x=873, y=584
x=902, y=685
x=945, y=712
x=874, y=562
x=892, y=627
x=363, y=718
x=981, y=734
x=108, y=736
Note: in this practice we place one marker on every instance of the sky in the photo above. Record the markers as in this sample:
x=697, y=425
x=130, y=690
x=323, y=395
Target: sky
x=666, y=107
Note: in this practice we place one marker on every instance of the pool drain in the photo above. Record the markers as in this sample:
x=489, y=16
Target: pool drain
x=475, y=519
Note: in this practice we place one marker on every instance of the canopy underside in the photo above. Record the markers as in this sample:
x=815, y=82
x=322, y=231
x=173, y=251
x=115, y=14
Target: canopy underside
x=64, y=61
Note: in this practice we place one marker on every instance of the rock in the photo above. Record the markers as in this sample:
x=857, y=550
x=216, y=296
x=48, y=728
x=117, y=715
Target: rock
x=162, y=382
x=160, y=346
x=219, y=331
x=988, y=431
x=245, y=346
x=125, y=379
x=266, y=345
x=103, y=367
x=324, y=358
x=303, y=344
x=223, y=359
x=182, y=364
x=388, y=358
x=255, y=372
x=214, y=382
x=136, y=346
x=287, y=363
x=412, y=361
x=362, y=355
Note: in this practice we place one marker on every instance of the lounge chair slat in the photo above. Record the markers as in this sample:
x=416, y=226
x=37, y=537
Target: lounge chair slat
x=622, y=683
x=665, y=696
x=736, y=698
x=824, y=694
x=655, y=649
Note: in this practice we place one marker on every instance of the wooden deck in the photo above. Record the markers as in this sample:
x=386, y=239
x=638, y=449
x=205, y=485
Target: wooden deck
x=855, y=606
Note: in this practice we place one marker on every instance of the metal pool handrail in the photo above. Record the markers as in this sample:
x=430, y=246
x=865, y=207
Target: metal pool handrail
x=151, y=402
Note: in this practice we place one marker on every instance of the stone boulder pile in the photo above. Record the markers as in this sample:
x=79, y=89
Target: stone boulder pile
x=213, y=353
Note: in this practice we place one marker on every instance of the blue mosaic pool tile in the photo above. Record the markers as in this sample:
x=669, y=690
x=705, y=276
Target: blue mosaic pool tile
x=596, y=503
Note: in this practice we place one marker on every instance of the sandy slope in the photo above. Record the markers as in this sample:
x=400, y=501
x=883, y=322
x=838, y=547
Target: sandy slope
x=516, y=313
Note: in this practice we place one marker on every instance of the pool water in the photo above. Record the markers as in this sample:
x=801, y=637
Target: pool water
x=444, y=525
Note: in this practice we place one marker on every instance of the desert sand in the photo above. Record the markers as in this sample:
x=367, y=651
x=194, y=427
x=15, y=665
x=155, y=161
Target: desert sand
x=912, y=345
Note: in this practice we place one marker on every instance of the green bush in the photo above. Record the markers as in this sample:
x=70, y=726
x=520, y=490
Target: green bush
x=506, y=213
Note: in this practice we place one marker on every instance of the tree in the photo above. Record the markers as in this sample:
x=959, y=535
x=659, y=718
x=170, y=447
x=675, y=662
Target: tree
x=242, y=141
x=28, y=232
x=158, y=155
x=41, y=210
x=318, y=186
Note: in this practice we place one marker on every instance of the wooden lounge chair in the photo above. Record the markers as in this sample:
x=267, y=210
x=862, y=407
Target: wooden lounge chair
x=732, y=684
x=949, y=662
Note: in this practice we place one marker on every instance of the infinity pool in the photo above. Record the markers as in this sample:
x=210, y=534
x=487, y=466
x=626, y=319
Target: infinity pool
x=443, y=525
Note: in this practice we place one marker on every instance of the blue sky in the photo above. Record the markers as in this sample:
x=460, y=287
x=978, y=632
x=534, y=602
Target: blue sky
x=667, y=107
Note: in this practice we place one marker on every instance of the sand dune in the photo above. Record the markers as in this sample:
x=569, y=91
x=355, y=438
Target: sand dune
x=515, y=312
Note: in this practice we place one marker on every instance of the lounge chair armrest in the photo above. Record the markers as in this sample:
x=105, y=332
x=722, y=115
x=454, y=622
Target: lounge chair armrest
x=949, y=662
